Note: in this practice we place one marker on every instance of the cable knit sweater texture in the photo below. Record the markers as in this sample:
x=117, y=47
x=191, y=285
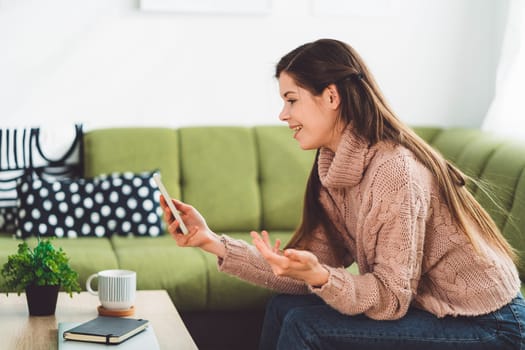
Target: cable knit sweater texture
x=395, y=226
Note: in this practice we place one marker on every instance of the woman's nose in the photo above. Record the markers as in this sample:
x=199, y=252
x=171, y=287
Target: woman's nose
x=283, y=116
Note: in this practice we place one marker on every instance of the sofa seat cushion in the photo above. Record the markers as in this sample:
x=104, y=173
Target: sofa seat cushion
x=161, y=264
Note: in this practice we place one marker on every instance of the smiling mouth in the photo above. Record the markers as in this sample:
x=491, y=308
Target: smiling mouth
x=296, y=130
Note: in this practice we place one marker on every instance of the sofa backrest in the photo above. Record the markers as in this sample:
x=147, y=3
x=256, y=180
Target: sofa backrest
x=240, y=178
x=134, y=149
x=219, y=176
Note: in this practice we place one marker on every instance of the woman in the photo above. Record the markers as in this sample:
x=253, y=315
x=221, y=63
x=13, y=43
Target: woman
x=435, y=271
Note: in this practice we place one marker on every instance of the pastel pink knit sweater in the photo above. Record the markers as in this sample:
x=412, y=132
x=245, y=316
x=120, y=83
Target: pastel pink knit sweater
x=395, y=226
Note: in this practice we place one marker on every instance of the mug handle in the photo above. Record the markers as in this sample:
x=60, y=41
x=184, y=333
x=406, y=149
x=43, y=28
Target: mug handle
x=88, y=284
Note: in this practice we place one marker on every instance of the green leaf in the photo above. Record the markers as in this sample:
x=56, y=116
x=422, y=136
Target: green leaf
x=44, y=265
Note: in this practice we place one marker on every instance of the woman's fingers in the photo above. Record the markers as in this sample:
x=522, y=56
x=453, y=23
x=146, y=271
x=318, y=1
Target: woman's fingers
x=292, y=262
x=298, y=256
x=281, y=263
x=168, y=216
x=163, y=201
x=173, y=227
x=263, y=245
x=266, y=238
x=181, y=206
x=260, y=244
x=294, y=254
x=182, y=239
x=301, y=259
x=276, y=246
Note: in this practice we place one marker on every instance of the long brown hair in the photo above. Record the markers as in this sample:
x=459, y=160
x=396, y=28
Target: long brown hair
x=314, y=66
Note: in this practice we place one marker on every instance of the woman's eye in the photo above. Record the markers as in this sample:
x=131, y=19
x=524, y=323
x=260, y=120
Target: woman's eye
x=291, y=102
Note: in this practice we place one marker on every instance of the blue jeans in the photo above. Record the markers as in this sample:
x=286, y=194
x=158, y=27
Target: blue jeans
x=306, y=322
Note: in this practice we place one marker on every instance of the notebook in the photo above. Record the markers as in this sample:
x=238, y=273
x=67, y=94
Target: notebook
x=144, y=339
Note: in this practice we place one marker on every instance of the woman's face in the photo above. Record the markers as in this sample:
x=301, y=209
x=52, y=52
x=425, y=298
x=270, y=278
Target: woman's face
x=314, y=119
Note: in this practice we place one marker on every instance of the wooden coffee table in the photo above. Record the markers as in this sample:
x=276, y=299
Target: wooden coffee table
x=18, y=330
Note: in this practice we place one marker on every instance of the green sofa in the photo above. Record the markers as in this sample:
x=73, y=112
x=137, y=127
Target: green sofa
x=242, y=179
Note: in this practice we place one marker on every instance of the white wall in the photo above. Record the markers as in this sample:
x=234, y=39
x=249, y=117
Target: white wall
x=107, y=63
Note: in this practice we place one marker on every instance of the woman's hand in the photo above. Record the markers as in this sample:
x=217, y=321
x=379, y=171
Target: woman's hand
x=199, y=234
x=298, y=264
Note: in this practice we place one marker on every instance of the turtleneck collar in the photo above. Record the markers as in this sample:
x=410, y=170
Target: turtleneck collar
x=345, y=167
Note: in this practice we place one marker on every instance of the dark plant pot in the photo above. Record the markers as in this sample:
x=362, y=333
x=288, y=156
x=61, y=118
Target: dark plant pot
x=42, y=300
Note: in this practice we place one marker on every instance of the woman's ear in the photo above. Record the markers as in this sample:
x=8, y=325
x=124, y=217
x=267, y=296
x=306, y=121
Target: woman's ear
x=331, y=96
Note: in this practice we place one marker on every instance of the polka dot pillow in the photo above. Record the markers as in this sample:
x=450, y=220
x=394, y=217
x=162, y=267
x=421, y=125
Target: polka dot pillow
x=120, y=204
x=7, y=219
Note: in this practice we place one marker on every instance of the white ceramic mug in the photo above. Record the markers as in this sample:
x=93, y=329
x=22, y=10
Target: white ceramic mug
x=116, y=288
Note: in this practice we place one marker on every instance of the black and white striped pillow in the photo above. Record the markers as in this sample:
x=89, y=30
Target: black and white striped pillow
x=49, y=151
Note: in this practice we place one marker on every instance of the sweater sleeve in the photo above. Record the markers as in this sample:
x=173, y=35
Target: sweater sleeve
x=244, y=261
x=391, y=226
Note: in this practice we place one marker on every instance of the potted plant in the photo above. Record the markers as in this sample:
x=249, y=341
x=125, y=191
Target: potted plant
x=41, y=272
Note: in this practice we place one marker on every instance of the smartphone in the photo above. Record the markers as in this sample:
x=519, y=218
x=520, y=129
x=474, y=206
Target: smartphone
x=174, y=211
